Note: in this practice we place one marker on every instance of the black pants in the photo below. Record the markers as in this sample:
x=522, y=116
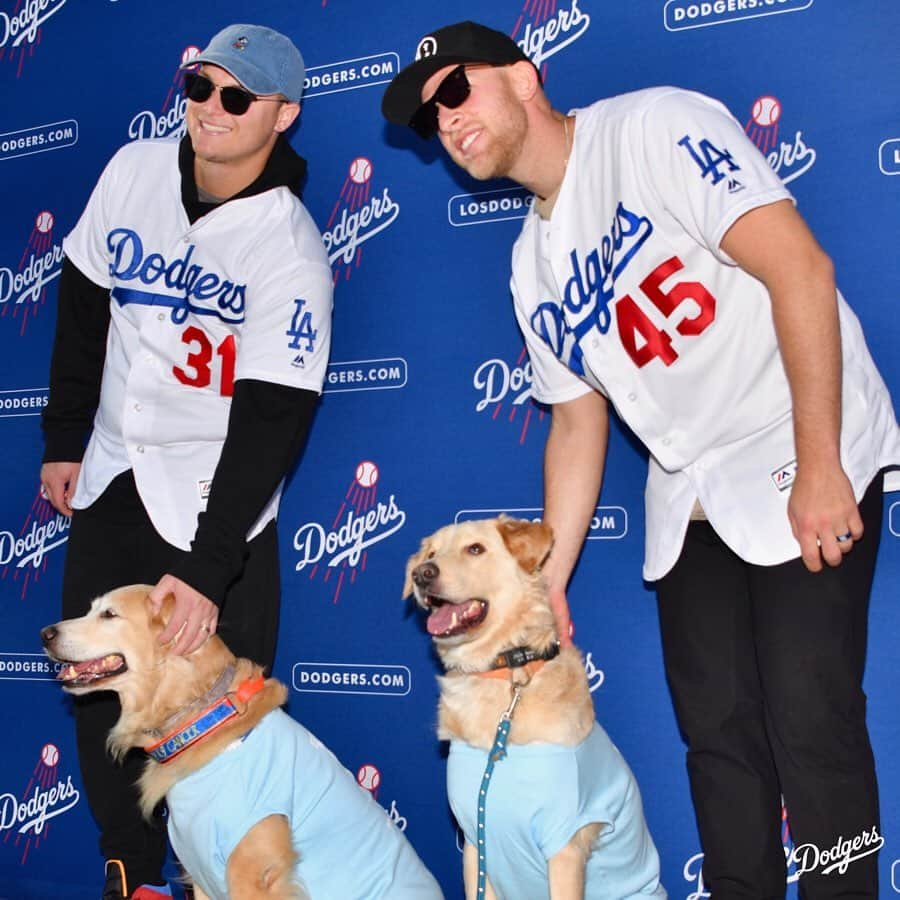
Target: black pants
x=765, y=665
x=113, y=543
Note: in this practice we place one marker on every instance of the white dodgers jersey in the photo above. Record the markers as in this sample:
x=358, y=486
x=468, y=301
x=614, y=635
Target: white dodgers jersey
x=626, y=290
x=243, y=292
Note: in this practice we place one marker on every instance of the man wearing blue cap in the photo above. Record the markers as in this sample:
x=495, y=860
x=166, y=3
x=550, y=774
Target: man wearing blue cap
x=194, y=316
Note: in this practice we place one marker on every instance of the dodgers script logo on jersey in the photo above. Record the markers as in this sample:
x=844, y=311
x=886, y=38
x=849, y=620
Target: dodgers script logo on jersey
x=361, y=522
x=24, y=553
x=356, y=218
x=25, y=817
x=544, y=27
x=588, y=296
x=214, y=295
x=788, y=159
x=20, y=30
x=169, y=121
x=24, y=289
x=496, y=382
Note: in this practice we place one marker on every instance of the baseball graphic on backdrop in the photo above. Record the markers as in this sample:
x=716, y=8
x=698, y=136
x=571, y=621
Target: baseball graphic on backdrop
x=366, y=474
x=44, y=221
x=368, y=777
x=49, y=755
x=766, y=111
x=360, y=170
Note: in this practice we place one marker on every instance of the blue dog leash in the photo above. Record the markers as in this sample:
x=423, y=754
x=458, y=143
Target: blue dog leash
x=498, y=752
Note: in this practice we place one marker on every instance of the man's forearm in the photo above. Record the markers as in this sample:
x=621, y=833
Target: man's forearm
x=574, y=459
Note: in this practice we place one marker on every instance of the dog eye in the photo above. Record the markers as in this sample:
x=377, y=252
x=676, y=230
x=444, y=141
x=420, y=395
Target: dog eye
x=430, y=555
x=108, y=614
x=475, y=549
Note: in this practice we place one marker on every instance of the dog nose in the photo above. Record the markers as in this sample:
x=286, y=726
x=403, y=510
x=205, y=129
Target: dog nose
x=425, y=573
x=48, y=633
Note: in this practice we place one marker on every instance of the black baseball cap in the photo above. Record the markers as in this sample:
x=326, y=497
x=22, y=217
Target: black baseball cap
x=464, y=42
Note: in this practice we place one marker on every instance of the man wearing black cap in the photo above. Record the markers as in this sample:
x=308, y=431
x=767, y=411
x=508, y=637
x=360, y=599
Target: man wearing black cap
x=194, y=316
x=664, y=269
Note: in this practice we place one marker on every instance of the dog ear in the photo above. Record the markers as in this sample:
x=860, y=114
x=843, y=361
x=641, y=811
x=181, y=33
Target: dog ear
x=411, y=563
x=165, y=609
x=528, y=542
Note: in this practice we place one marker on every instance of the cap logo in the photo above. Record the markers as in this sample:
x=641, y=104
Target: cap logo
x=240, y=43
x=427, y=47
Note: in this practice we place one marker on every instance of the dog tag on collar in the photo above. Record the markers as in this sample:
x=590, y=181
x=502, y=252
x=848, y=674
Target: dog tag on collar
x=246, y=689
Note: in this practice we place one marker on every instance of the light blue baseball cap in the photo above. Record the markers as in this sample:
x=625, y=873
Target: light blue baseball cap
x=263, y=61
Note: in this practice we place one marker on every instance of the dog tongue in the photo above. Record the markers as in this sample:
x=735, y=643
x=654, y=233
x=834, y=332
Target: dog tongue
x=450, y=616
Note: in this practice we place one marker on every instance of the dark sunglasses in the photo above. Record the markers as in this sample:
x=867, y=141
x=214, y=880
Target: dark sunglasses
x=235, y=100
x=451, y=93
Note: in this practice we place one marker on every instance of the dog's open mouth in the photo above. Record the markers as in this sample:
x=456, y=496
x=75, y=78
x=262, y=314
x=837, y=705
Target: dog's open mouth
x=91, y=670
x=448, y=619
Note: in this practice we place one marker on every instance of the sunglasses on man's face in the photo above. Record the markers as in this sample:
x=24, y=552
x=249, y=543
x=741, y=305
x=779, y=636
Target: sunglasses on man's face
x=235, y=100
x=451, y=93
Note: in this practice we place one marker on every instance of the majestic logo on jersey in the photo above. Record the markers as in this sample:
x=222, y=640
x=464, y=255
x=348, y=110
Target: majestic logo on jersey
x=169, y=121
x=590, y=290
x=23, y=290
x=682, y=14
x=361, y=522
x=788, y=159
x=23, y=553
x=545, y=28
x=356, y=218
x=496, y=382
x=503, y=205
x=20, y=30
x=350, y=74
x=25, y=818
x=889, y=157
x=201, y=292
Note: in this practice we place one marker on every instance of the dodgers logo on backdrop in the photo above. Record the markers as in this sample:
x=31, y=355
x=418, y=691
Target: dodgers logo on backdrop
x=607, y=523
x=27, y=667
x=351, y=678
x=385, y=374
x=38, y=139
x=484, y=207
x=48, y=793
x=368, y=777
x=24, y=289
x=24, y=553
x=679, y=15
x=361, y=522
x=358, y=215
x=889, y=157
x=20, y=30
x=789, y=159
x=543, y=29
x=500, y=385
x=169, y=121
x=350, y=74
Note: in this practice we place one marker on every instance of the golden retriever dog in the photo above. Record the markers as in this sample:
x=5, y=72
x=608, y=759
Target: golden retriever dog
x=560, y=813
x=258, y=808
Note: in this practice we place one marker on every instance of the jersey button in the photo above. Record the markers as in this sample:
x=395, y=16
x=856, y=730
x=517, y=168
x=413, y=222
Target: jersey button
x=632, y=397
x=140, y=448
x=137, y=407
x=160, y=316
x=666, y=441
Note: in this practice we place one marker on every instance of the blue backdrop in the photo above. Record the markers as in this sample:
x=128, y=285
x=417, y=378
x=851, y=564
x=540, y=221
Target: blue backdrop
x=426, y=416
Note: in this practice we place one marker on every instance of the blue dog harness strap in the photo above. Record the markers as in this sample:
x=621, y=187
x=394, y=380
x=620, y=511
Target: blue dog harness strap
x=498, y=752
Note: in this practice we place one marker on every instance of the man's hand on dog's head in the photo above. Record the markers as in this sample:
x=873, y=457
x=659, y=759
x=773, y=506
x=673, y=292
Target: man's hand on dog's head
x=194, y=617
